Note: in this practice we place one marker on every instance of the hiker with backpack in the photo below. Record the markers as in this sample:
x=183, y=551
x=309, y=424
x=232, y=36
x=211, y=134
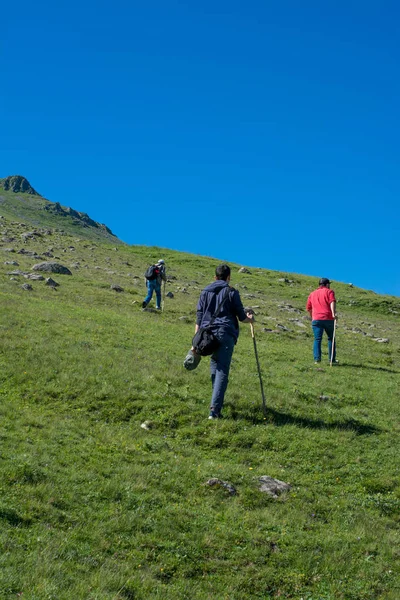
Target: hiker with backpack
x=217, y=331
x=154, y=275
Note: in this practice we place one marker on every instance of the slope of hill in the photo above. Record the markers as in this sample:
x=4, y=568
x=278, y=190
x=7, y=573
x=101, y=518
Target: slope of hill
x=19, y=201
x=107, y=450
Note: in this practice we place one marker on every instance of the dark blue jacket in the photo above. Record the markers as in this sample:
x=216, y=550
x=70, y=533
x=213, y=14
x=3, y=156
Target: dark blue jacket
x=227, y=320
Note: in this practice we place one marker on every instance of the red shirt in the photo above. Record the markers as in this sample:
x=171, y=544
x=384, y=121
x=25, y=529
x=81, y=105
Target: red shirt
x=319, y=302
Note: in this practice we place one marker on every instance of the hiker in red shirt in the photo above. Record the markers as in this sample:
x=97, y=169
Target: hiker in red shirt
x=321, y=305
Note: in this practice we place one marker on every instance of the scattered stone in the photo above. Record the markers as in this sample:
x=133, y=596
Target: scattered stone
x=324, y=398
x=146, y=425
x=12, y=262
x=297, y=322
x=47, y=254
x=283, y=280
x=52, y=267
x=27, y=287
x=51, y=283
x=9, y=249
x=244, y=270
x=34, y=277
x=381, y=340
x=170, y=295
x=28, y=252
x=282, y=327
x=215, y=482
x=31, y=235
x=249, y=296
x=273, y=487
x=184, y=318
x=116, y=287
x=18, y=272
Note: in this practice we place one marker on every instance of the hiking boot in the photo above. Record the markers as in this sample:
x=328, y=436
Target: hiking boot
x=334, y=362
x=158, y=307
x=317, y=362
x=144, y=304
x=214, y=415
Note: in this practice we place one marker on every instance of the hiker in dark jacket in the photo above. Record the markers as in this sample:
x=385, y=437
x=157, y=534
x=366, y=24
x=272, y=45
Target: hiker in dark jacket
x=154, y=285
x=225, y=327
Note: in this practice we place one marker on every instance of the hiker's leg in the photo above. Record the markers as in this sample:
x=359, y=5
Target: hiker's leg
x=329, y=328
x=219, y=367
x=318, y=331
x=157, y=288
x=150, y=289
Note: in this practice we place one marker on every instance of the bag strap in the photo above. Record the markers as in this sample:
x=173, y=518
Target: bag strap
x=215, y=315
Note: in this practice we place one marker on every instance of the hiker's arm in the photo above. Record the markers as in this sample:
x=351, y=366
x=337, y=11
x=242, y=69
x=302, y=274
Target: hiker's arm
x=333, y=309
x=309, y=307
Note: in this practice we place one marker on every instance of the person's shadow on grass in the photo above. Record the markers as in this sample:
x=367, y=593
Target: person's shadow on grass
x=280, y=419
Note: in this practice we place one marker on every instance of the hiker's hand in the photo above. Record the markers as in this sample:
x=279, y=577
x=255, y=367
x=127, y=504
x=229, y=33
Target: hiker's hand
x=250, y=316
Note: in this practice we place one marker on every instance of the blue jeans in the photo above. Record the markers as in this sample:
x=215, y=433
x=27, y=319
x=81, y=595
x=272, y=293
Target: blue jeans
x=153, y=286
x=219, y=368
x=318, y=328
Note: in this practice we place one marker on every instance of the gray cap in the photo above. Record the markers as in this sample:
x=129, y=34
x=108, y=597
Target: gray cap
x=324, y=281
x=161, y=262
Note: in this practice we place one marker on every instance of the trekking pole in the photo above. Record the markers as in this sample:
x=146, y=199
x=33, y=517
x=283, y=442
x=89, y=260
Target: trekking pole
x=333, y=341
x=163, y=297
x=264, y=405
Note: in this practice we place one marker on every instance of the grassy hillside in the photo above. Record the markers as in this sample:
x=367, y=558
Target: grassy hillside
x=95, y=506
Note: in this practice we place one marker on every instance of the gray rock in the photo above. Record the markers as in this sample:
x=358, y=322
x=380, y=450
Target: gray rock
x=51, y=283
x=52, y=267
x=381, y=340
x=18, y=272
x=170, y=295
x=34, y=277
x=14, y=263
x=273, y=487
x=116, y=287
x=215, y=482
x=9, y=249
x=27, y=287
x=244, y=270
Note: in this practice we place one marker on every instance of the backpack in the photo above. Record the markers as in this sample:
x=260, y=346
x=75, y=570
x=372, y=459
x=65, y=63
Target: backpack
x=152, y=272
x=205, y=342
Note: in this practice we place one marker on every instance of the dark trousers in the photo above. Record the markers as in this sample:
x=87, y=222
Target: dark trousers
x=219, y=368
x=318, y=329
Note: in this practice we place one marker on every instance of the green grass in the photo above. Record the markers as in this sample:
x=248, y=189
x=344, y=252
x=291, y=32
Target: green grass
x=93, y=506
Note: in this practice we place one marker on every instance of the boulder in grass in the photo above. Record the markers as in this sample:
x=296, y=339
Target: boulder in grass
x=273, y=487
x=27, y=287
x=52, y=267
x=116, y=287
x=51, y=283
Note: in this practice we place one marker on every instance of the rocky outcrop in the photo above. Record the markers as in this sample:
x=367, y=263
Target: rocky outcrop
x=78, y=218
x=18, y=184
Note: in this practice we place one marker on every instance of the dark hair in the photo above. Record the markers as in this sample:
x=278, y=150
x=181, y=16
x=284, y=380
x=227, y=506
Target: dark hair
x=222, y=272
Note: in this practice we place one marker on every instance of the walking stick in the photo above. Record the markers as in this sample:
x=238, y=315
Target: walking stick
x=259, y=370
x=163, y=298
x=333, y=341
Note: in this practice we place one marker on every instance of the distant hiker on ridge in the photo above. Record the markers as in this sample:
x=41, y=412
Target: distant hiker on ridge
x=321, y=305
x=154, y=275
x=221, y=305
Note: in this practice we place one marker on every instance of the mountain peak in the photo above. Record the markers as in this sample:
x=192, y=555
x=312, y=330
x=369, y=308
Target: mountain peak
x=17, y=183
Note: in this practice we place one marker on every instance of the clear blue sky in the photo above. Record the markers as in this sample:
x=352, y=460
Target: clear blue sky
x=264, y=133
